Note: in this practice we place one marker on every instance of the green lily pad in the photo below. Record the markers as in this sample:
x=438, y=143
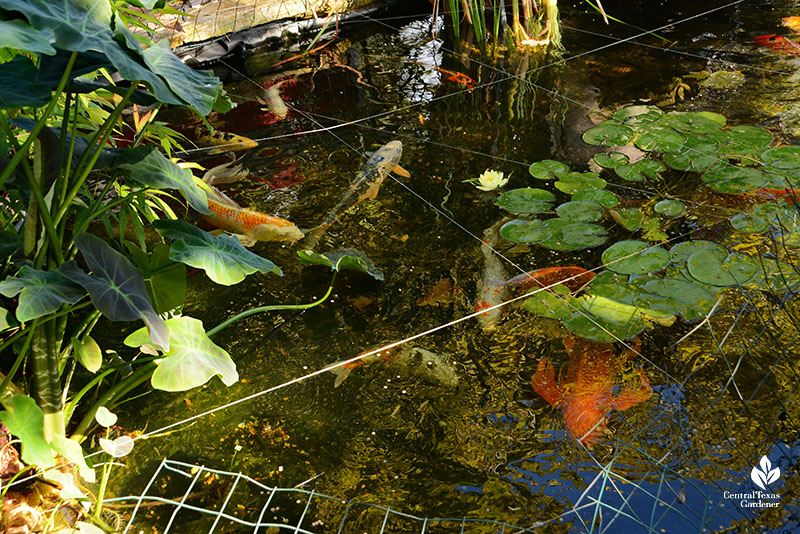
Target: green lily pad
x=580, y=211
x=548, y=304
x=343, y=259
x=634, y=257
x=599, y=329
x=680, y=253
x=527, y=200
x=628, y=218
x=547, y=169
x=670, y=208
x=638, y=115
x=613, y=286
x=605, y=198
x=677, y=297
x=609, y=309
x=640, y=170
x=742, y=141
x=730, y=179
x=711, y=267
x=519, y=231
x=749, y=223
x=782, y=157
x=660, y=140
x=782, y=178
x=574, y=182
x=694, y=122
x=698, y=153
x=611, y=160
x=582, y=235
x=609, y=133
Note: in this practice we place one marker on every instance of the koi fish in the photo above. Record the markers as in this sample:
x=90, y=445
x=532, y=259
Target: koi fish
x=586, y=394
x=489, y=292
x=364, y=186
x=272, y=99
x=416, y=361
x=778, y=43
x=790, y=195
x=793, y=23
x=574, y=278
x=227, y=215
x=458, y=77
x=223, y=141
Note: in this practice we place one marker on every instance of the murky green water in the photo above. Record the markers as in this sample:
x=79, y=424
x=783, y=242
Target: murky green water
x=487, y=446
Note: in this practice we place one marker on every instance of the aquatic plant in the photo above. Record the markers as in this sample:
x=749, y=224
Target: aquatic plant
x=490, y=180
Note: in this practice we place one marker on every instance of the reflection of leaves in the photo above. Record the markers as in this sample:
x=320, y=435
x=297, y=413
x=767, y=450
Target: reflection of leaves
x=193, y=359
x=40, y=292
x=223, y=258
x=117, y=289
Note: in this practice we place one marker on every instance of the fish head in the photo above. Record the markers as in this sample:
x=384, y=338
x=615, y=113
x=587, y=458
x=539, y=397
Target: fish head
x=271, y=232
x=387, y=157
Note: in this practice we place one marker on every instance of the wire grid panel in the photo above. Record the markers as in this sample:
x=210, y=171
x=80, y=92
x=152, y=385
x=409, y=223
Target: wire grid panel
x=182, y=497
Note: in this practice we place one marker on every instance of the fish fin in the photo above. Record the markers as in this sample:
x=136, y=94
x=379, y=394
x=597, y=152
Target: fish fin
x=341, y=374
x=400, y=171
x=245, y=240
x=313, y=236
x=222, y=198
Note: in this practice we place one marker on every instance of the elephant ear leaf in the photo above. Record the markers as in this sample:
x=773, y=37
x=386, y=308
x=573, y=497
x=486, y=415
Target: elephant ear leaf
x=40, y=292
x=117, y=289
x=340, y=260
x=25, y=419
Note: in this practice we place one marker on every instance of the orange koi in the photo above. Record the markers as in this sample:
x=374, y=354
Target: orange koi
x=228, y=215
x=458, y=77
x=778, y=43
x=793, y=23
x=586, y=394
x=574, y=278
x=790, y=195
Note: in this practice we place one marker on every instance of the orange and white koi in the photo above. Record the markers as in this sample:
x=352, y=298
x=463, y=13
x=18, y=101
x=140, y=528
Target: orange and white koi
x=572, y=277
x=428, y=366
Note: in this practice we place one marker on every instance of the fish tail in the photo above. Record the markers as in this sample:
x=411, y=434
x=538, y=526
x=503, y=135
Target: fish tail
x=341, y=373
x=314, y=235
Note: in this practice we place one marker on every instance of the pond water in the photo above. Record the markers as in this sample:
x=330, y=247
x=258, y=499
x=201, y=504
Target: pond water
x=464, y=434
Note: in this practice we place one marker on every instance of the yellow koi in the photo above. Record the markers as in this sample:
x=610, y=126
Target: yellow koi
x=223, y=141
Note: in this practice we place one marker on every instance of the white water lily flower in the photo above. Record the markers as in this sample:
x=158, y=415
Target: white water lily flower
x=491, y=180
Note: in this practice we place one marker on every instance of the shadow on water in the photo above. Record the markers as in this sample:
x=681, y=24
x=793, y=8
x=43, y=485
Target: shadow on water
x=403, y=435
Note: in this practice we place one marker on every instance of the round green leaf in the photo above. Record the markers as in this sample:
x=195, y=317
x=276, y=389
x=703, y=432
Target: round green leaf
x=574, y=182
x=711, y=267
x=580, y=211
x=681, y=252
x=782, y=157
x=546, y=169
x=598, y=329
x=698, y=153
x=693, y=122
x=611, y=160
x=547, y=304
x=742, y=141
x=660, y=140
x=749, y=223
x=525, y=231
x=730, y=179
x=607, y=199
x=670, y=208
x=628, y=218
x=526, y=200
x=609, y=133
x=638, y=115
x=640, y=170
x=634, y=257
x=582, y=235
x=677, y=297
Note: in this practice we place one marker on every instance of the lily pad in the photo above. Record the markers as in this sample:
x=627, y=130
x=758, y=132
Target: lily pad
x=677, y=297
x=605, y=198
x=527, y=200
x=660, y=140
x=598, y=329
x=611, y=160
x=742, y=141
x=40, y=292
x=343, y=259
x=698, y=153
x=519, y=231
x=628, y=218
x=711, y=267
x=782, y=157
x=574, y=182
x=670, y=208
x=192, y=360
x=749, y=223
x=580, y=211
x=638, y=115
x=694, y=122
x=640, y=170
x=634, y=257
x=609, y=133
x=609, y=309
x=548, y=304
x=582, y=235
x=547, y=169
x=680, y=253
x=731, y=179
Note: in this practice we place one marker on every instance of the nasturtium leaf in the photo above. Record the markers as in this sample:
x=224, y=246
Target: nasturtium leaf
x=88, y=353
x=782, y=157
x=527, y=200
x=678, y=297
x=711, y=267
x=598, y=329
x=547, y=169
x=777, y=276
x=341, y=260
x=749, y=223
x=670, y=208
x=40, y=292
x=680, y=253
x=72, y=451
x=192, y=360
x=609, y=133
x=548, y=304
x=731, y=179
x=641, y=170
x=117, y=448
x=105, y=417
x=605, y=198
x=698, y=153
x=519, y=231
x=611, y=160
x=628, y=218
x=25, y=420
x=151, y=168
x=581, y=235
x=660, y=140
x=634, y=257
x=580, y=211
x=574, y=182
x=115, y=286
x=638, y=115
x=693, y=122
x=223, y=258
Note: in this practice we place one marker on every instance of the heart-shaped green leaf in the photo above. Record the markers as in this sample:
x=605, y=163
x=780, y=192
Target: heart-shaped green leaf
x=580, y=210
x=640, y=170
x=40, y=292
x=634, y=257
x=547, y=169
x=519, y=231
x=527, y=200
x=25, y=419
x=574, y=182
x=731, y=179
x=711, y=267
x=660, y=140
x=611, y=160
x=341, y=260
x=609, y=133
x=605, y=198
x=670, y=208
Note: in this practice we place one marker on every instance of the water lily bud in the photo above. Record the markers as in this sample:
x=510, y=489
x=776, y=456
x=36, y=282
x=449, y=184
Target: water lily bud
x=491, y=180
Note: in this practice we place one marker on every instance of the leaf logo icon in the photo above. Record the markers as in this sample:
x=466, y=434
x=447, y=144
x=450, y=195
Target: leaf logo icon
x=765, y=475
